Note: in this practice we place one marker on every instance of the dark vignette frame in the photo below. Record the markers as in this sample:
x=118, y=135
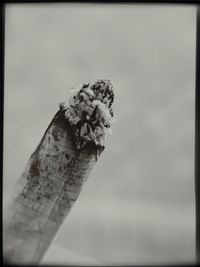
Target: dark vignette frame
x=2, y=18
x=197, y=133
x=197, y=97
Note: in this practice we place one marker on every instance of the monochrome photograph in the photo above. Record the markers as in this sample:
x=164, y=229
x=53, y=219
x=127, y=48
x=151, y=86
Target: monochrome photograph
x=99, y=134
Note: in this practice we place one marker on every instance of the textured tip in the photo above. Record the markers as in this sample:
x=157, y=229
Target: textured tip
x=90, y=112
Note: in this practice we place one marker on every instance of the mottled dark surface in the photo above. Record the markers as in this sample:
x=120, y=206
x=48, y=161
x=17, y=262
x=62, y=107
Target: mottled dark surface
x=46, y=191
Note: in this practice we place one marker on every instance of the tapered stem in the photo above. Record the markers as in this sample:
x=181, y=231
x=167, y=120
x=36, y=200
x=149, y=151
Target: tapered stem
x=56, y=171
x=45, y=193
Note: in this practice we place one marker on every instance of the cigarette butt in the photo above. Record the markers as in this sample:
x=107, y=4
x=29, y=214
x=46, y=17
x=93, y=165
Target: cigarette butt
x=54, y=176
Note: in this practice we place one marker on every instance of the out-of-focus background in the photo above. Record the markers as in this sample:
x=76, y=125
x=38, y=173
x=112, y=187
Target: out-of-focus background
x=138, y=204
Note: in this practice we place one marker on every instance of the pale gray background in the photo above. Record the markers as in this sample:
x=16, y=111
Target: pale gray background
x=138, y=204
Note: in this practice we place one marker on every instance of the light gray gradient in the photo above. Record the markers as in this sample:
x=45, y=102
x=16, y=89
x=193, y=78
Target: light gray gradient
x=138, y=204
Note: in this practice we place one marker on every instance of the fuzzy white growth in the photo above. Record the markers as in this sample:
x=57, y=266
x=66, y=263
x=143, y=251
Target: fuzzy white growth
x=90, y=113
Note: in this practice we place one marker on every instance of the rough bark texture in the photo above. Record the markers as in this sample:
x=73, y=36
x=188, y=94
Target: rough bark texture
x=45, y=192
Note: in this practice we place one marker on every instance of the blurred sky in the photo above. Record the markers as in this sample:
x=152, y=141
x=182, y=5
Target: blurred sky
x=138, y=204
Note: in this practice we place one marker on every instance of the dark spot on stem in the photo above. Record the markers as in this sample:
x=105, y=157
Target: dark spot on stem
x=56, y=148
x=34, y=169
x=67, y=156
x=47, y=196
